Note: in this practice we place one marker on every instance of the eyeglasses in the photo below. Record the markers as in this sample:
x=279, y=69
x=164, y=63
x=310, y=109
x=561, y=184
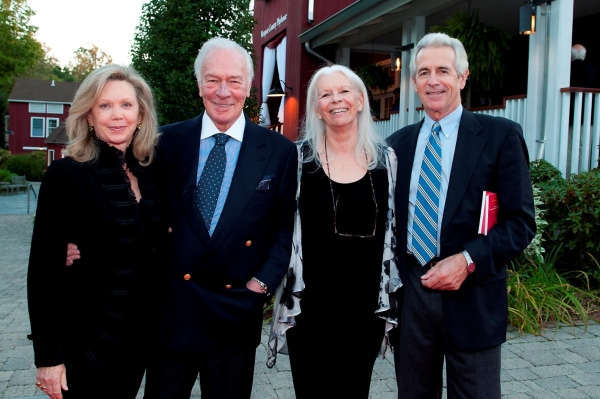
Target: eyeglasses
x=335, y=202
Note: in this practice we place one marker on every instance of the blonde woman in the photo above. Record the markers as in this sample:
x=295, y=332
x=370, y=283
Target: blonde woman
x=91, y=322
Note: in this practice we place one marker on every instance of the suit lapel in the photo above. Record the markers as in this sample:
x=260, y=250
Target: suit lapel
x=190, y=150
x=406, y=147
x=466, y=155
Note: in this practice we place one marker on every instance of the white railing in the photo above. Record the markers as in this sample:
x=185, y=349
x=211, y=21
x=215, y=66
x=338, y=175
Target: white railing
x=514, y=108
x=579, y=134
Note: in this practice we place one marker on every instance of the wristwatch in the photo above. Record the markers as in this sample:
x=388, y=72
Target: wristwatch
x=470, y=264
x=263, y=287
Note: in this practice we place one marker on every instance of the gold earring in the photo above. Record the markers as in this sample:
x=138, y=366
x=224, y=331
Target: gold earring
x=139, y=126
x=90, y=128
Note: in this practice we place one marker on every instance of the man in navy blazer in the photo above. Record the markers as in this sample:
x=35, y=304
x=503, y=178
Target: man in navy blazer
x=454, y=306
x=220, y=277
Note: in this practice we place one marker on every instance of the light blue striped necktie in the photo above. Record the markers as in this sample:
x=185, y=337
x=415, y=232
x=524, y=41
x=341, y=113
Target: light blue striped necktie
x=425, y=221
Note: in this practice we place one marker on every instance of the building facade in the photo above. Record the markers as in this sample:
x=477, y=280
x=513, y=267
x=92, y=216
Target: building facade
x=36, y=108
x=293, y=38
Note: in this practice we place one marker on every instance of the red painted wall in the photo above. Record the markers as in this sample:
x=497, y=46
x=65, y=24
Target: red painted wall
x=300, y=64
x=19, y=122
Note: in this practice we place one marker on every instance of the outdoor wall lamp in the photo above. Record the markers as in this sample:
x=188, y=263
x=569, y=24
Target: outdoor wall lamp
x=276, y=90
x=527, y=22
x=396, y=56
x=527, y=19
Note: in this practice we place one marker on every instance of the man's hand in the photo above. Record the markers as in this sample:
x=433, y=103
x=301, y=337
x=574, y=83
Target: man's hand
x=448, y=274
x=254, y=286
x=72, y=253
x=51, y=379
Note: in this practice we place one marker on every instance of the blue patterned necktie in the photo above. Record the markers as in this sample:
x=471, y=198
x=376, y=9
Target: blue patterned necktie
x=207, y=191
x=425, y=221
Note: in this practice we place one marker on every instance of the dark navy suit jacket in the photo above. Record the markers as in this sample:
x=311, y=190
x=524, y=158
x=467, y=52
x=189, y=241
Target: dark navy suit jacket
x=490, y=155
x=208, y=308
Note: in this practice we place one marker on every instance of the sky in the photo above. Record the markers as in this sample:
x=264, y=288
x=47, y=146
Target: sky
x=66, y=25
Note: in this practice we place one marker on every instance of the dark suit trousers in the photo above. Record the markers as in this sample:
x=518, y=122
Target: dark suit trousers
x=119, y=378
x=222, y=376
x=424, y=344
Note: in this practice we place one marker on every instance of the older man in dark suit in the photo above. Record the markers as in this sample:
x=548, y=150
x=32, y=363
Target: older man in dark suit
x=454, y=301
x=231, y=221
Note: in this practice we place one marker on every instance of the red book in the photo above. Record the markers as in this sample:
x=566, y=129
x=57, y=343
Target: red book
x=489, y=212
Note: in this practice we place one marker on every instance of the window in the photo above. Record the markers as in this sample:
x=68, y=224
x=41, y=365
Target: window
x=37, y=127
x=37, y=108
x=55, y=108
x=52, y=124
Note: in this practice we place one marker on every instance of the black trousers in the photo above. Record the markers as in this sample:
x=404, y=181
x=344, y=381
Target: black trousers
x=222, y=376
x=117, y=377
x=424, y=345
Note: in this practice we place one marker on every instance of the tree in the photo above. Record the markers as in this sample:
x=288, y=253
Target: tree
x=88, y=59
x=44, y=67
x=19, y=49
x=485, y=46
x=167, y=41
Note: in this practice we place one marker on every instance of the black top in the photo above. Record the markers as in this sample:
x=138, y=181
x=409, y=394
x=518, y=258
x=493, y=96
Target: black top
x=333, y=262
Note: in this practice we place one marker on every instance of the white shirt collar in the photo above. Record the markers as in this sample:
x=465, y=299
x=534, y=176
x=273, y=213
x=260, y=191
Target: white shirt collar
x=236, y=130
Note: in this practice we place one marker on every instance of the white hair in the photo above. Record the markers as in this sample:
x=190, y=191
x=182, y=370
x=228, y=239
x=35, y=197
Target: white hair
x=461, y=63
x=220, y=43
x=313, y=129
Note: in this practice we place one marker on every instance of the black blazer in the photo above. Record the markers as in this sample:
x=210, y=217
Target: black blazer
x=208, y=307
x=106, y=298
x=490, y=155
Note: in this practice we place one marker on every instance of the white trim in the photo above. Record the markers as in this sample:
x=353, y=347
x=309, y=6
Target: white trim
x=39, y=110
x=48, y=120
x=35, y=148
x=43, y=127
x=49, y=157
x=55, y=108
x=10, y=100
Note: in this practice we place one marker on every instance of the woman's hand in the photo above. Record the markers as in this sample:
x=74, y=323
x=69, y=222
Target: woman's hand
x=51, y=380
x=72, y=253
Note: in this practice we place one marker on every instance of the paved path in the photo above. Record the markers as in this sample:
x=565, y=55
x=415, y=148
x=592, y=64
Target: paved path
x=563, y=364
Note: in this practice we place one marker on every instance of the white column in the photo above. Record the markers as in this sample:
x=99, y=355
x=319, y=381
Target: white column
x=412, y=31
x=559, y=19
x=343, y=56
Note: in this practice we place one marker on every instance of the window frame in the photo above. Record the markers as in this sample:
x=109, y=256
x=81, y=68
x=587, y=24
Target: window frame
x=48, y=120
x=32, y=109
x=43, y=127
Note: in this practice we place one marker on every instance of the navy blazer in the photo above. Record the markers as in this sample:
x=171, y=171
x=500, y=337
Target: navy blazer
x=490, y=155
x=207, y=305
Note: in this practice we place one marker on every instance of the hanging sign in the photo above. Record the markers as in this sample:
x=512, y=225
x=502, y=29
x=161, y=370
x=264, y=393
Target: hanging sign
x=273, y=26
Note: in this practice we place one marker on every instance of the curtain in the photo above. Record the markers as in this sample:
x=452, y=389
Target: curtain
x=281, y=70
x=267, y=79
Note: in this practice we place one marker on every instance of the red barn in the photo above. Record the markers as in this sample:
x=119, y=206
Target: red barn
x=36, y=108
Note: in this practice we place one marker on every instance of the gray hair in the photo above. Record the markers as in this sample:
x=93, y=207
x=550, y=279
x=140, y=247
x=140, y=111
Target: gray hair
x=313, y=129
x=461, y=62
x=82, y=147
x=219, y=43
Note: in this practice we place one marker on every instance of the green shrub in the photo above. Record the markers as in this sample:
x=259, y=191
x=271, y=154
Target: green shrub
x=538, y=295
x=572, y=213
x=31, y=165
x=571, y=210
x=6, y=175
x=4, y=153
x=542, y=171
